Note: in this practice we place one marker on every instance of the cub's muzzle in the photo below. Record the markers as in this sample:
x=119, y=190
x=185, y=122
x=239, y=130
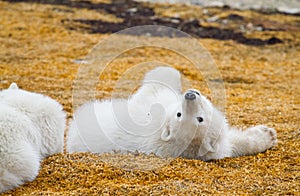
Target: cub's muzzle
x=190, y=96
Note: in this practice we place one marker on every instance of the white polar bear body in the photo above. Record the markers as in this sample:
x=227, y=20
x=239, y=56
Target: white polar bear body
x=103, y=126
x=159, y=119
x=31, y=128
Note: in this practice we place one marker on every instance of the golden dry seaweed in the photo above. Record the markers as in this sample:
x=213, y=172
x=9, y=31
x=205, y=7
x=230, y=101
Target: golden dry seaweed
x=39, y=46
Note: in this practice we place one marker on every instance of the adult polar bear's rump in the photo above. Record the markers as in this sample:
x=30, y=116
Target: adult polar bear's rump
x=158, y=118
x=31, y=128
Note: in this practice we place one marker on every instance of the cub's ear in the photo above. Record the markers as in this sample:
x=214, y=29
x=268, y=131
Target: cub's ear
x=13, y=86
x=166, y=134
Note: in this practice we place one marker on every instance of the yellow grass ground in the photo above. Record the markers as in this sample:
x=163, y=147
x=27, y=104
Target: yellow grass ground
x=37, y=50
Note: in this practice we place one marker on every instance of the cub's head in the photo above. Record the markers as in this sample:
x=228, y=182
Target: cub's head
x=28, y=102
x=192, y=126
x=185, y=117
x=18, y=98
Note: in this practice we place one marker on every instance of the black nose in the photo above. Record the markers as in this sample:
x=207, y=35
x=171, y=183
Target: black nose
x=190, y=96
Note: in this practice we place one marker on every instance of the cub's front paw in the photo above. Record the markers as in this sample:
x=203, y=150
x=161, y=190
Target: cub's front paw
x=266, y=135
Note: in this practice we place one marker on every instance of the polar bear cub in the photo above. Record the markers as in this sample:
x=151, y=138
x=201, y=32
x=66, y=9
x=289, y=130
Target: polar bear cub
x=159, y=119
x=31, y=128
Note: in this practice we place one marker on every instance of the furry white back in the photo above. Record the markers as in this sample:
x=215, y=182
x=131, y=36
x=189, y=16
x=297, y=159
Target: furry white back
x=31, y=128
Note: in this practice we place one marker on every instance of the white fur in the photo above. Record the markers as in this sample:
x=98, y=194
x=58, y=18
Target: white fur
x=31, y=128
x=148, y=122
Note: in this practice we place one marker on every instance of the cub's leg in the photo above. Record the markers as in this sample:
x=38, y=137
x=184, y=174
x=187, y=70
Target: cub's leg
x=252, y=141
x=18, y=165
x=158, y=80
x=166, y=76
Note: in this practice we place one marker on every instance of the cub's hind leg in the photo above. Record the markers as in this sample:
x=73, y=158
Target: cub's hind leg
x=164, y=76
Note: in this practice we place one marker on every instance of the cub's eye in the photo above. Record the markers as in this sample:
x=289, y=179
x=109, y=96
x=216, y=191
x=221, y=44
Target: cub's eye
x=200, y=119
x=197, y=93
x=178, y=114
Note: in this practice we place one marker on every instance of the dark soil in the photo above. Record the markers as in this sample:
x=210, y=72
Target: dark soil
x=137, y=14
